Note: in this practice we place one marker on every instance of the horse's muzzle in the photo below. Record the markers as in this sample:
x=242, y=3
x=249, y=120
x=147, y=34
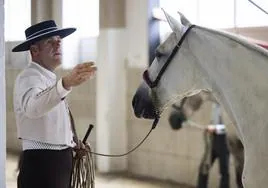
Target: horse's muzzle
x=142, y=103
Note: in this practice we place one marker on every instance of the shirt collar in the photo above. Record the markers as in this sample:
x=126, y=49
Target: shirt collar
x=46, y=72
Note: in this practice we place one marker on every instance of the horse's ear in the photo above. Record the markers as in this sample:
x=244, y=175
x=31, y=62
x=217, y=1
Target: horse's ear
x=184, y=20
x=176, y=26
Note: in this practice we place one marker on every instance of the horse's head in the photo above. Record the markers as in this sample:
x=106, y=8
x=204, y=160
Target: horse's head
x=163, y=79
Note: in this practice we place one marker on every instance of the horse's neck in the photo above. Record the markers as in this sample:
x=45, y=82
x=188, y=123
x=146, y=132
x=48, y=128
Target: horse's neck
x=237, y=76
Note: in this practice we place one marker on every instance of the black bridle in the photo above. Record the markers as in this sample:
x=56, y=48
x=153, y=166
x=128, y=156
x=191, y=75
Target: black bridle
x=146, y=78
x=153, y=84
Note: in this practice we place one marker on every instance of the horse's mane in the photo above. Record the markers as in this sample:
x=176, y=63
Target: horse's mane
x=237, y=39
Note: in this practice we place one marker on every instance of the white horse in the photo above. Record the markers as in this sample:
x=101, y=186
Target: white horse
x=197, y=58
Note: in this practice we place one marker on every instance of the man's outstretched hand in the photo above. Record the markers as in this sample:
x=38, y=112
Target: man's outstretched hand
x=79, y=74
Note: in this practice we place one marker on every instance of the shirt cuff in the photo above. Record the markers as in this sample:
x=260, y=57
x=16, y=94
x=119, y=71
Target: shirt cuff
x=61, y=90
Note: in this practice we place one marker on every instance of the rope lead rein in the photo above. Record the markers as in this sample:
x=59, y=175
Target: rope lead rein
x=155, y=122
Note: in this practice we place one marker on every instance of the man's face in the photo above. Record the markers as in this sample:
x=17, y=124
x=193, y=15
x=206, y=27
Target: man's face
x=48, y=52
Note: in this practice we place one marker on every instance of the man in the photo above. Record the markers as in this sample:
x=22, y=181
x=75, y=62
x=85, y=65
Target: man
x=215, y=147
x=42, y=115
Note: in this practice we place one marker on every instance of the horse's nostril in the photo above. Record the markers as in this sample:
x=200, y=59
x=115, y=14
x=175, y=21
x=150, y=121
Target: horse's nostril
x=136, y=106
x=134, y=101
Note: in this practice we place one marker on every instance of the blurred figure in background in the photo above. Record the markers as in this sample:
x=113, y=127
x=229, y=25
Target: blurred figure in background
x=215, y=148
x=215, y=145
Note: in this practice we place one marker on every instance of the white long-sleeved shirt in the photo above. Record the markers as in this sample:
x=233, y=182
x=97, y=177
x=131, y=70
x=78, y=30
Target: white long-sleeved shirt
x=42, y=115
x=218, y=128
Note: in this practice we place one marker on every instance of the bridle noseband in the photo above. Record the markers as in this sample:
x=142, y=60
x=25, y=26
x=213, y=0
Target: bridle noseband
x=146, y=78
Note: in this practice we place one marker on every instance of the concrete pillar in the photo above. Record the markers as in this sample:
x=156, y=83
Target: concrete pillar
x=111, y=128
x=41, y=10
x=57, y=11
x=2, y=100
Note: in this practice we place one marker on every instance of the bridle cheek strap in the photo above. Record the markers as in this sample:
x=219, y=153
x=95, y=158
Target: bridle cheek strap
x=146, y=76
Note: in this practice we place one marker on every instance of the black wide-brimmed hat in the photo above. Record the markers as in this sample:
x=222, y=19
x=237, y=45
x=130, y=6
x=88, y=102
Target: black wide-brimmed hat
x=41, y=31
